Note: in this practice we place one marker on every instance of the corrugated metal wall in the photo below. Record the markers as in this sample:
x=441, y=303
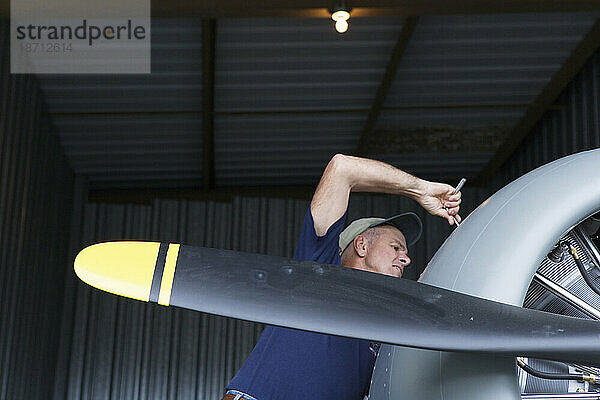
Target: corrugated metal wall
x=35, y=204
x=572, y=126
x=118, y=348
x=126, y=349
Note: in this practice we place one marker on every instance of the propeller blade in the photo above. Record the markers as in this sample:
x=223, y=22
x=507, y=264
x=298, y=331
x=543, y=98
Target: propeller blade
x=333, y=300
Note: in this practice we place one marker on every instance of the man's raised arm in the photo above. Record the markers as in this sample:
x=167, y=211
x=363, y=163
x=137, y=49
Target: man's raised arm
x=345, y=174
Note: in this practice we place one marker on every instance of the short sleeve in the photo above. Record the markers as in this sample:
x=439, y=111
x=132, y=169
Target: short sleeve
x=323, y=249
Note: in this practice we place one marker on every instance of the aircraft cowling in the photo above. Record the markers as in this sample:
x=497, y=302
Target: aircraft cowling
x=493, y=254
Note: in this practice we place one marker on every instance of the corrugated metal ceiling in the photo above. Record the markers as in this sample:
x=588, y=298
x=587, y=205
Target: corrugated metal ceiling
x=136, y=130
x=290, y=92
x=496, y=63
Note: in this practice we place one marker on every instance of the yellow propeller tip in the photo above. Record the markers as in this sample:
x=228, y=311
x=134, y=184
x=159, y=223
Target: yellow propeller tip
x=122, y=268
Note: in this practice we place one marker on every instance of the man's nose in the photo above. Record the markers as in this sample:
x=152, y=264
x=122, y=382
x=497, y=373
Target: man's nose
x=404, y=259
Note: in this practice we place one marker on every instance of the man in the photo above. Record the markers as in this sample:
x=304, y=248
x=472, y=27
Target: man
x=287, y=364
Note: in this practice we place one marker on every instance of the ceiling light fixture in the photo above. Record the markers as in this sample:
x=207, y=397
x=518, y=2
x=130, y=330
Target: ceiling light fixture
x=340, y=15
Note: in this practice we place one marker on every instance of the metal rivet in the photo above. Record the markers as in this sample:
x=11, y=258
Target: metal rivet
x=286, y=269
x=259, y=276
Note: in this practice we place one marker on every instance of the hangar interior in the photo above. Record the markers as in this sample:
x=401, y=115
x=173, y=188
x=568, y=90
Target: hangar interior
x=223, y=144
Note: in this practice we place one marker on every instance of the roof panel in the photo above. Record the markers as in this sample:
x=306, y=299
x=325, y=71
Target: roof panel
x=483, y=60
x=300, y=64
x=131, y=147
x=465, y=117
x=440, y=166
x=175, y=82
x=267, y=150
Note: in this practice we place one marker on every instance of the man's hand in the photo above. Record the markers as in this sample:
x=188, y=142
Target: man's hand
x=439, y=199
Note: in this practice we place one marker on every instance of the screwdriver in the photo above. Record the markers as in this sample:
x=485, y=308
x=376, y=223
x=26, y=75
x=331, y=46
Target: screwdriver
x=456, y=190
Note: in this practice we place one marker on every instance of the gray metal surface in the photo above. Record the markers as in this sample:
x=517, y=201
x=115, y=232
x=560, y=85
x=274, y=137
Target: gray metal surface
x=35, y=203
x=565, y=396
x=494, y=254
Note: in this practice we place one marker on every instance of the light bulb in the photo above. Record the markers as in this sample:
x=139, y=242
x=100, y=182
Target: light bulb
x=341, y=26
x=341, y=20
x=340, y=15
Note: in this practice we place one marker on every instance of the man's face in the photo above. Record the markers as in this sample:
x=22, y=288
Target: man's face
x=387, y=254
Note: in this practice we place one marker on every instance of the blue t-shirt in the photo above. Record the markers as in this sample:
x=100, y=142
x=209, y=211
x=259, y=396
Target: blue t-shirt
x=287, y=364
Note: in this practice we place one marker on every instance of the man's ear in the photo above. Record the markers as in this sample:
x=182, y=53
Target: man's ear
x=361, y=245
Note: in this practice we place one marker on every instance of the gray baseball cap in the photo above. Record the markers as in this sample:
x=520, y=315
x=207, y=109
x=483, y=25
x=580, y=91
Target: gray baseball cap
x=408, y=223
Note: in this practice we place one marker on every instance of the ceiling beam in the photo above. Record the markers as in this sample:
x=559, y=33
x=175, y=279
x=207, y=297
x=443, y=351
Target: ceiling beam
x=294, y=111
x=360, y=8
x=543, y=102
x=208, y=103
x=386, y=82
